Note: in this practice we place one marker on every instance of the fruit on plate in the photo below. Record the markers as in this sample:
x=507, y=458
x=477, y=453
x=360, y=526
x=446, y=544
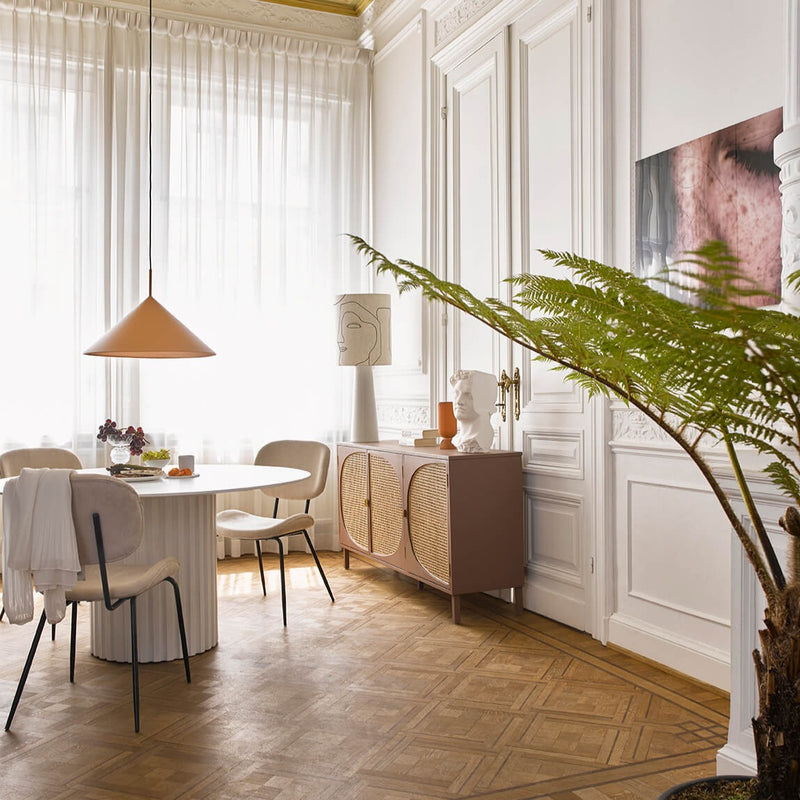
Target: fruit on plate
x=134, y=471
x=180, y=473
x=156, y=455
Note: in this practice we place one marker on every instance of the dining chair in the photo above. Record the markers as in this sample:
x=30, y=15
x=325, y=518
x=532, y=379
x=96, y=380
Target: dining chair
x=107, y=514
x=12, y=462
x=313, y=457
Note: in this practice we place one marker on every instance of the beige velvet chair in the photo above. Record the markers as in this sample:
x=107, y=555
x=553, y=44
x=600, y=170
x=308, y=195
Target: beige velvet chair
x=12, y=462
x=314, y=457
x=108, y=521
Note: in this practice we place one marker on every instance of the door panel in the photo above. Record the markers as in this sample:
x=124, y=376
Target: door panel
x=547, y=196
x=477, y=201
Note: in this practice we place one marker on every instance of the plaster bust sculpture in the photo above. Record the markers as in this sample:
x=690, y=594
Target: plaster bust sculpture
x=474, y=396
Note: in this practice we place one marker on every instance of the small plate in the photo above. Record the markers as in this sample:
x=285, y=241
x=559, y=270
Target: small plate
x=139, y=478
x=193, y=475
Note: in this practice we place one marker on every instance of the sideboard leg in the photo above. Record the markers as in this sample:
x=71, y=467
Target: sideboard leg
x=347, y=559
x=455, y=608
x=518, y=600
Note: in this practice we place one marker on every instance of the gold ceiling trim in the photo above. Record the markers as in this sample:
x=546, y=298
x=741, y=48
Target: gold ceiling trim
x=347, y=8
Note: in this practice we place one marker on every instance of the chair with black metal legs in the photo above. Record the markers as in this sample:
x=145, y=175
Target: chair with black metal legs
x=314, y=457
x=108, y=525
x=12, y=462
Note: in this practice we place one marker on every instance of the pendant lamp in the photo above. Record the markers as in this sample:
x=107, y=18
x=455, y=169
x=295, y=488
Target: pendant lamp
x=150, y=331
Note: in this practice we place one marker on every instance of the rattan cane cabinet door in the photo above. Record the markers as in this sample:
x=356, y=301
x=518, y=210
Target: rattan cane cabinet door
x=386, y=506
x=353, y=494
x=428, y=520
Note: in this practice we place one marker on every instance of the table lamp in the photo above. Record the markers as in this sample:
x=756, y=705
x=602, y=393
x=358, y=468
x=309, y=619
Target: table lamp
x=364, y=339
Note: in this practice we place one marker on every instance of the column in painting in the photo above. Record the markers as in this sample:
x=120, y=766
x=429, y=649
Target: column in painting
x=787, y=157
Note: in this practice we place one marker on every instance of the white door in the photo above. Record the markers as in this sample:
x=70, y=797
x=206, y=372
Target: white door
x=515, y=149
x=477, y=224
x=550, y=209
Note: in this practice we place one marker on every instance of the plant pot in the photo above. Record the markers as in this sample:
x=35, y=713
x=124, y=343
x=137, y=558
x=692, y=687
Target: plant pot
x=717, y=780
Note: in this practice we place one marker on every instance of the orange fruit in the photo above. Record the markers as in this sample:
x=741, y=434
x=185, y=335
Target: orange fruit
x=174, y=471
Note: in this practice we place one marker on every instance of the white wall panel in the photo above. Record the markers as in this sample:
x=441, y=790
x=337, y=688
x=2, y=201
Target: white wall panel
x=677, y=546
x=706, y=65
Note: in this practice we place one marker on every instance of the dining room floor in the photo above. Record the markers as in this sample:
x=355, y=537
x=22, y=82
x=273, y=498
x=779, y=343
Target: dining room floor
x=375, y=697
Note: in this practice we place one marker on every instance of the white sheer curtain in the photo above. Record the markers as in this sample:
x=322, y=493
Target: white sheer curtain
x=260, y=163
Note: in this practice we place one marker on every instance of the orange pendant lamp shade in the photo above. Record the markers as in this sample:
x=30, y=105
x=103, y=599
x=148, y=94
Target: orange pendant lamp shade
x=149, y=331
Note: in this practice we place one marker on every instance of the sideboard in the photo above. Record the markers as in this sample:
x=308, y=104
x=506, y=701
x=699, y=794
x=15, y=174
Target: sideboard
x=450, y=520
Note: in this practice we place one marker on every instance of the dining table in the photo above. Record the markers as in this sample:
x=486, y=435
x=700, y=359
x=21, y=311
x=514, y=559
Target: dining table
x=179, y=521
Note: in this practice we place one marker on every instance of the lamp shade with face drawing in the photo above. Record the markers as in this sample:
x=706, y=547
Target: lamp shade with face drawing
x=364, y=340
x=364, y=329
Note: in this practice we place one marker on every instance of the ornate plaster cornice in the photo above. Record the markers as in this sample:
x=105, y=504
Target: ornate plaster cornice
x=255, y=14
x=629, y=424
x=457, y=17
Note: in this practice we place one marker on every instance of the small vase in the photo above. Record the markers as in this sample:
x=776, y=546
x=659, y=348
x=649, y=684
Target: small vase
x=448, y=427
x=120, y=450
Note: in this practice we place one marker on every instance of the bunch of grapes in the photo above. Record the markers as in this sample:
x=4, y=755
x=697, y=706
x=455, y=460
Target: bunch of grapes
x=135, y=437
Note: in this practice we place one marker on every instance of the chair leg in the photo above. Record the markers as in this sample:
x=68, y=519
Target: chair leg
x=2, y=612
x=319, y=566
x=181, y=628
x=73, y=631
x=52, y=633
x=261, y=567
x=134, y=665
x=283, y=580
x=27, y=668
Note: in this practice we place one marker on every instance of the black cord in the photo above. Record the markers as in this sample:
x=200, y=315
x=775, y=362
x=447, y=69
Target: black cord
x=150, y=161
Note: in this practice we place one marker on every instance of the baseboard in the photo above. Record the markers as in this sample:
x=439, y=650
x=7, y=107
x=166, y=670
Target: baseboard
x=732, y=760
x=689, y=657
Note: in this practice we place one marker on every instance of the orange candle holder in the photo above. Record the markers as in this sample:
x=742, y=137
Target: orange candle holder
x=448, y=427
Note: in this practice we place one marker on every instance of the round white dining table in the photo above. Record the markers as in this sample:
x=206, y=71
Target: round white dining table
x=179, y=521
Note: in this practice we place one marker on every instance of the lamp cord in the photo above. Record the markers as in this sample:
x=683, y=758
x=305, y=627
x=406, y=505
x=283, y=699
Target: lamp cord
x=150, y=160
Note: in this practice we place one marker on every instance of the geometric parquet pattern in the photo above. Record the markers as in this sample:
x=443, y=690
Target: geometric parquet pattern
x=376, y=697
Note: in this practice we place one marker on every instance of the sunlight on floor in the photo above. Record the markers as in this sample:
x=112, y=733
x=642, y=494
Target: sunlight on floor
x=248, y=582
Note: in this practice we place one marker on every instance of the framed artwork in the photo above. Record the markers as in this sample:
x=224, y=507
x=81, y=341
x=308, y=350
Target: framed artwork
x=723, y=186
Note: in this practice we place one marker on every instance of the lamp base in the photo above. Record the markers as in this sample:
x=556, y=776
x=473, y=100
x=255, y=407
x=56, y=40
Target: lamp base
x=364, y=426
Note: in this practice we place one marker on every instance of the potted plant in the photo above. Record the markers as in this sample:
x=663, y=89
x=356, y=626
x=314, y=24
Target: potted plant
x=713, y=371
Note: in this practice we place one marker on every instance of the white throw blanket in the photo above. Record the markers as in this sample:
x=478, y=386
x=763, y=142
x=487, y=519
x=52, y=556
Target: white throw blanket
x=38, y=542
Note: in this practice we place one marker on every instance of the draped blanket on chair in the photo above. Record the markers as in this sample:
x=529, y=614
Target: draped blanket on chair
x=38, y=543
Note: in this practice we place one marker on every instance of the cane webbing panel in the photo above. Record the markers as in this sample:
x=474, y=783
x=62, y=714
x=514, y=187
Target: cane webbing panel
x=353, y=497
x=386, y=503
x=427, y=519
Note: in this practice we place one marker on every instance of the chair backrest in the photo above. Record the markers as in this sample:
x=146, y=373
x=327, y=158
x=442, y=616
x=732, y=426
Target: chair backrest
x=12, y=462
x=313, y=457
x=120, y=512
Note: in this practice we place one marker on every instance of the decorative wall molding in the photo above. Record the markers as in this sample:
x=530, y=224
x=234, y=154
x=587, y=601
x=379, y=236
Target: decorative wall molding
x=564, y=510
x=457, y=18
x=403, y=416
x=258, y=15
x=550, y=452
x=630, y=424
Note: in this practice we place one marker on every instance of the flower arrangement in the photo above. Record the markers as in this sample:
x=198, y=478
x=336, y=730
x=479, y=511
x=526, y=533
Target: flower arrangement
x=135, y=438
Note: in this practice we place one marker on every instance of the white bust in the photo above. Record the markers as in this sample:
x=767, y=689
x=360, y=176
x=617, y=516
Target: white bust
x=474, y=396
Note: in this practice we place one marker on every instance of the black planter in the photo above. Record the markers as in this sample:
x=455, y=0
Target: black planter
x=675, y=790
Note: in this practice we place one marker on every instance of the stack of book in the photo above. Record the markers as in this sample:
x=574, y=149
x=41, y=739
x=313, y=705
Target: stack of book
x=422, y=437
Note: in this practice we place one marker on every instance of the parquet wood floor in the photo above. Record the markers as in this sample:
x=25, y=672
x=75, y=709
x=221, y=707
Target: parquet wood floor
x=376, y=697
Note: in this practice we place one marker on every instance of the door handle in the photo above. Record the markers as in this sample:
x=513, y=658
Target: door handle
x=504, y=384
x=515, y=384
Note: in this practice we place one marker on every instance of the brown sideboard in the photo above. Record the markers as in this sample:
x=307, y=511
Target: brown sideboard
x=450, y=520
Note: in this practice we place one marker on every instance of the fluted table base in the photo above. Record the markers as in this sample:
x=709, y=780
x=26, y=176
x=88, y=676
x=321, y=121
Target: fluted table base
x=183, y=527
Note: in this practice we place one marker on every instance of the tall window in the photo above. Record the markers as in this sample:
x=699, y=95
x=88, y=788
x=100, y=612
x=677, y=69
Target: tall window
x=260, y=163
